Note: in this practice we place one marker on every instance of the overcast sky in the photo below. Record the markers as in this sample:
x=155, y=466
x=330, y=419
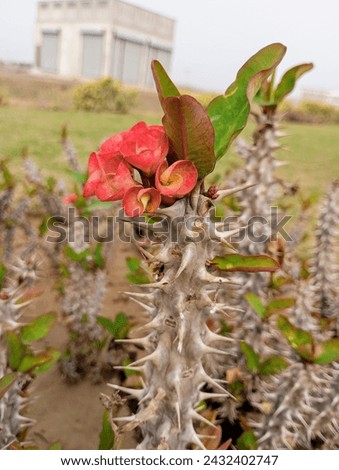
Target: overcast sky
x=214, y=37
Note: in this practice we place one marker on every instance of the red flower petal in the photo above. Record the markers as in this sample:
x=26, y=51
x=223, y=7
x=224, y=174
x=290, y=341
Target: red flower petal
x=94, y=172
x=70, y=198
x=145, y=147
x=176, y=180
x=114, y=184
x=138, y=200
x=111, y=147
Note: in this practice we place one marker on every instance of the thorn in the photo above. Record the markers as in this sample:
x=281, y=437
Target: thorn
x=206, y=436
x=234, y=309
x=146, y=397
x=155, y=323
x=188, y=256
x=211, y=396
x=137, y=393
x=147, y=296
x=124, y=419
x=214, y=337
x=149, y=357
x=177, y=409
x=146, y=307
x=136, y=341
x=222, y=235
x=228, y=192
x=137, y=369
x=206, y=378
x=145, y=253
x=195, y=415
x=209, y=350
x=195, y=440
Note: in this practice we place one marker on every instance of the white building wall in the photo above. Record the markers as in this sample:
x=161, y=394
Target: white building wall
x=111, y=18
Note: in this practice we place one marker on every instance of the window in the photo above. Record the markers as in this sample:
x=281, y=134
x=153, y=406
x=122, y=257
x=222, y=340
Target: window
x=92, y=55
x=49, y=53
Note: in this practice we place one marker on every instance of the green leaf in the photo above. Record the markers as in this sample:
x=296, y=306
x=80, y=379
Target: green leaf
x=54, y=357
x=30, y=362
x=190, y=132
x=78, y=176
x=133, y=264
x=94, y=205
x=16, y=350
x=327, y=351
x=106, y=439
x=225, y=329
x=252, y=358
x=98, y=257
x=272, y=365
x=229, y=112
x=165, y=86
x=38, y=329
x=140, y=277
x=2, y=275
x=288, y=81
x=118, y=328
x=250, y=264
x=127, y=371
x=247, y=441
x=7, y=176
x=78, y=257
x=278, y=304
x=43, y=227
x=256, y=304
x=55, y=446
x=237, y=388
x=295, y=336
x=6, y=382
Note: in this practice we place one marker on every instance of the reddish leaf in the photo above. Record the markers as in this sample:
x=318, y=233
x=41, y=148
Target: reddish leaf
x=225, y=445
x=165, y=86
x=190, y=132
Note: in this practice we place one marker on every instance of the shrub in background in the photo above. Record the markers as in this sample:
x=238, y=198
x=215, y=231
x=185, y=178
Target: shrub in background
x=4, y=95
x=104, y=95
x=312, y=112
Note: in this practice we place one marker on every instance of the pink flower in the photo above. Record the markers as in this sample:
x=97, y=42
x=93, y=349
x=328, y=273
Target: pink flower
x=145, y=147
x=138, y=200
x=111, y=147
x=176, y=180
x=109, y=176
x=70, y=198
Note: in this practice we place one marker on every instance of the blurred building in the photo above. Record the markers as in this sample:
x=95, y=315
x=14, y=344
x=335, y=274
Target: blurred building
x=96, y=38
x=320, y=96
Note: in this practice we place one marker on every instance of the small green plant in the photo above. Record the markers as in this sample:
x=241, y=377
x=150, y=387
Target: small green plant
x=103, y=95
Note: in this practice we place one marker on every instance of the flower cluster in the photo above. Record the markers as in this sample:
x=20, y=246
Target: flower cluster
x=131, y=166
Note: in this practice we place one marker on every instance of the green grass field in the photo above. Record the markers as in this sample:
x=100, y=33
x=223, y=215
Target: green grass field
x=312, y=152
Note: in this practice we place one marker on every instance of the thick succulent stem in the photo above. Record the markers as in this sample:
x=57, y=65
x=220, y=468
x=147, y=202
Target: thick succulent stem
x=81, y=308
x=11, y=404
x=325, y=266
x=177, y=339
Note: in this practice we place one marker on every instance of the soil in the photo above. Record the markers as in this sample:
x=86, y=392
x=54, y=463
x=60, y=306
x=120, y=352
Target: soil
x=72, y=414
